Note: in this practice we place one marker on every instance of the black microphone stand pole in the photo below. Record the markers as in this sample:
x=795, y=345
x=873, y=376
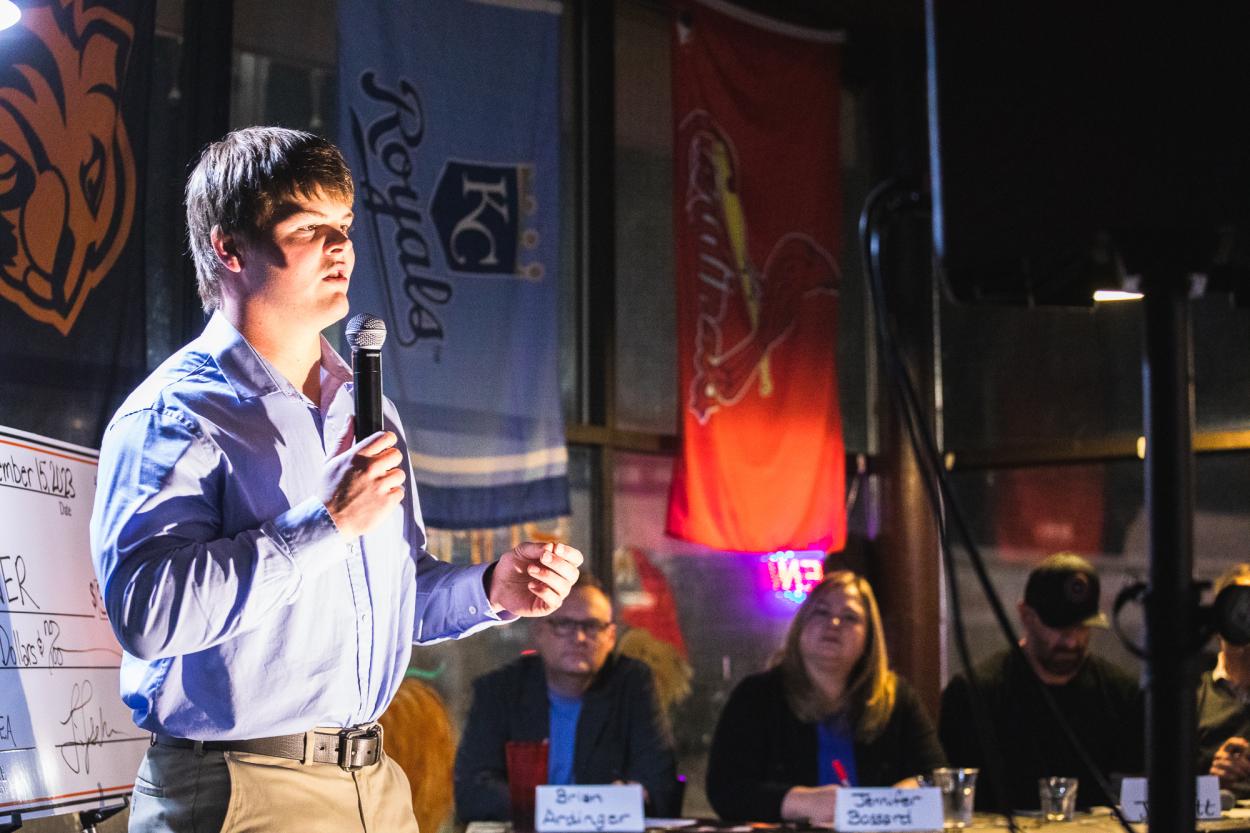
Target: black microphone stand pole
x=1171, y=603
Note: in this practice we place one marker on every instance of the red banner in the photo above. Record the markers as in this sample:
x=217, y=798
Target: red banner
x=1050, y=509
x=757, y=214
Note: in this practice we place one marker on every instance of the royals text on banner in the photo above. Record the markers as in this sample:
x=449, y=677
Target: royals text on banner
x=73, y=95
x=450, y=115
x=757, y=216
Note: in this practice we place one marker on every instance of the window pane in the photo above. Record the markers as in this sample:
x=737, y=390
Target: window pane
x=571, y=379
x=646, y=339
x=689, y=609
x=284, y=65
x=855, y=335
x=1221, y=337
x=1022, y=515
x=451, y=667
x=1018, y=375
x=646, y=324
x=1013, y=374
x=164, y=249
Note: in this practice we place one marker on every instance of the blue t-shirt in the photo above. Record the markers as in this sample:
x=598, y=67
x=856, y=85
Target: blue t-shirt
x=563, y=727
x=835, y=742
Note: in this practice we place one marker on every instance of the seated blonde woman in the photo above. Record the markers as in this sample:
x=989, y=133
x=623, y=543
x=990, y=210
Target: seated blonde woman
x=829, y=712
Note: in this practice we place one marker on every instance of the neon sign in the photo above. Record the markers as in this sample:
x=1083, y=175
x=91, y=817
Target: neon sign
x=791, y=575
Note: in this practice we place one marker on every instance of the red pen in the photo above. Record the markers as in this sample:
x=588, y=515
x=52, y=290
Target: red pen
x=840, y=771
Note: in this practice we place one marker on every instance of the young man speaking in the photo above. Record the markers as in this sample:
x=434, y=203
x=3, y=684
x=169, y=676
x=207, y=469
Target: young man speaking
x=266, y=575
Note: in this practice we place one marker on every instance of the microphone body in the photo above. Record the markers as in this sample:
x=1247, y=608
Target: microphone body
x=367, y=372
x=366, y=333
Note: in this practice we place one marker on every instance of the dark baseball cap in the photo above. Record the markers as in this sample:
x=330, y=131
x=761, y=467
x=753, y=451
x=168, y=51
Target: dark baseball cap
x=1063, y=590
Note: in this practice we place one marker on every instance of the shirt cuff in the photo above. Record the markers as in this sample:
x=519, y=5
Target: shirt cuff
x=475, y=600
x=457, y=608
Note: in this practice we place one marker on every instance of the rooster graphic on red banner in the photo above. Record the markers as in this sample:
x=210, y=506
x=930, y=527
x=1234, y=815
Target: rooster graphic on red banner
x=744, y=312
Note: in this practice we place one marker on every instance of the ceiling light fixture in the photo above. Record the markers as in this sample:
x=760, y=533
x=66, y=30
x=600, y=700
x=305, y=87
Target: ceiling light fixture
x=9, y=13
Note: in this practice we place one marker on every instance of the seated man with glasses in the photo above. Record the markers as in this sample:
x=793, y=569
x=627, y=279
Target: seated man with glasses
x=598, y=711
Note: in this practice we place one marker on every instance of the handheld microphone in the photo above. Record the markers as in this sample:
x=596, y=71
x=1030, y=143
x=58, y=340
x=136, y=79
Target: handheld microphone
x=365, y=333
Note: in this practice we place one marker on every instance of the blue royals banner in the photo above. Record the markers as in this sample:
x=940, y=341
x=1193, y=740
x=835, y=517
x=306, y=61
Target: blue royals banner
x=450, y=113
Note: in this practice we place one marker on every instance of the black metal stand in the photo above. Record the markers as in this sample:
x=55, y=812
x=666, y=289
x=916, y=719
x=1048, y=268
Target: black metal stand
x=90, y=818
x=87, y=819
x=1171, y=604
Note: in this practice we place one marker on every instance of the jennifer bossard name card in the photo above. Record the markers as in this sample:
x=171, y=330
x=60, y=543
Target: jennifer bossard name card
x=888, y=808
x=66, y=740
x=1135, y=804
x=587, y=807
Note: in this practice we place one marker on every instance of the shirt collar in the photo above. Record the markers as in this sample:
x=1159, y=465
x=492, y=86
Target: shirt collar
x=249, y=373
x=335, y=372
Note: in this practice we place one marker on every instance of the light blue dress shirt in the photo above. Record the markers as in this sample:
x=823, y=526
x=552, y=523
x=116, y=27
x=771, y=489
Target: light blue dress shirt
x=242, y=611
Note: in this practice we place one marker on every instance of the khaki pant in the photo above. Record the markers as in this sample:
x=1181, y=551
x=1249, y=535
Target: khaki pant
x=184, y=791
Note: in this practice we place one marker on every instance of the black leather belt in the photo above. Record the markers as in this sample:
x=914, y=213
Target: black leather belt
x=352, y=748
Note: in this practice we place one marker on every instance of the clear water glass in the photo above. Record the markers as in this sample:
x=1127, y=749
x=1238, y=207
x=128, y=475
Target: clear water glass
x=959, y=789
x=1058, y=797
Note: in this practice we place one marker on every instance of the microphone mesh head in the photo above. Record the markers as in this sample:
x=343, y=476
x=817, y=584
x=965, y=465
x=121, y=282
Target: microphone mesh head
x=366, y=332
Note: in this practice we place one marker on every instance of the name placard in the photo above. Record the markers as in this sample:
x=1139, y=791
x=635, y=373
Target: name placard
x=1136, y=807
x=888, y=808
x=612, y=808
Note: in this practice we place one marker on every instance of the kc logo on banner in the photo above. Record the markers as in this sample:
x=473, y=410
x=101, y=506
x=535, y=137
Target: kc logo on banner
x=478, y=211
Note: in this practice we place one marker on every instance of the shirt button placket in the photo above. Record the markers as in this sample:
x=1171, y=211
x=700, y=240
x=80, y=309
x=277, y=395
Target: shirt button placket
x=364, y=632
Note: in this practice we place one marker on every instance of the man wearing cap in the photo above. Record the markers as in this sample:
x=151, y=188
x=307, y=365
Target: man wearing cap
x=1103, y=705
x=1224, y=707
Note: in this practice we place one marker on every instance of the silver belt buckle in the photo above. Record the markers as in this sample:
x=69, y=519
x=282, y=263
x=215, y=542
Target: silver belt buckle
x=358, y=748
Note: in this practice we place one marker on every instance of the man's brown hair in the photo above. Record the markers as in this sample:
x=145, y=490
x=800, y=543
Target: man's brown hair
x=241, y=180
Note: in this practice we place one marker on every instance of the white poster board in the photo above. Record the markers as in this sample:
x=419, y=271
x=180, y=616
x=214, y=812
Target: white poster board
x=67, y=742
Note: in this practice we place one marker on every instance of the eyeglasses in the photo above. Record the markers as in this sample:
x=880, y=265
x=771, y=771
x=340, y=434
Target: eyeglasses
x=593, y=628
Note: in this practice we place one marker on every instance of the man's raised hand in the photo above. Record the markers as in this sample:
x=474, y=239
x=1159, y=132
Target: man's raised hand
x=533, y=579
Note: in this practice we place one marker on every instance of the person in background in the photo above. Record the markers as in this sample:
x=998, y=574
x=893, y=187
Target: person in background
x=1224, y=707
x=599, y=712
x=265, y=573
x=1103, y=704
x=829, y=713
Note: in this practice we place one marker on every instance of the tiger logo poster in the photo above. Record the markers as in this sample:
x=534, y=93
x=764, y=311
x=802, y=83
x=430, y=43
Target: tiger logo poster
x=74, y=84
x=67, y=169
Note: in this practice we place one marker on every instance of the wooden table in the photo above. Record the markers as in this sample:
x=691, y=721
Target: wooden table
x=1096, y=822
x=1099, y=821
